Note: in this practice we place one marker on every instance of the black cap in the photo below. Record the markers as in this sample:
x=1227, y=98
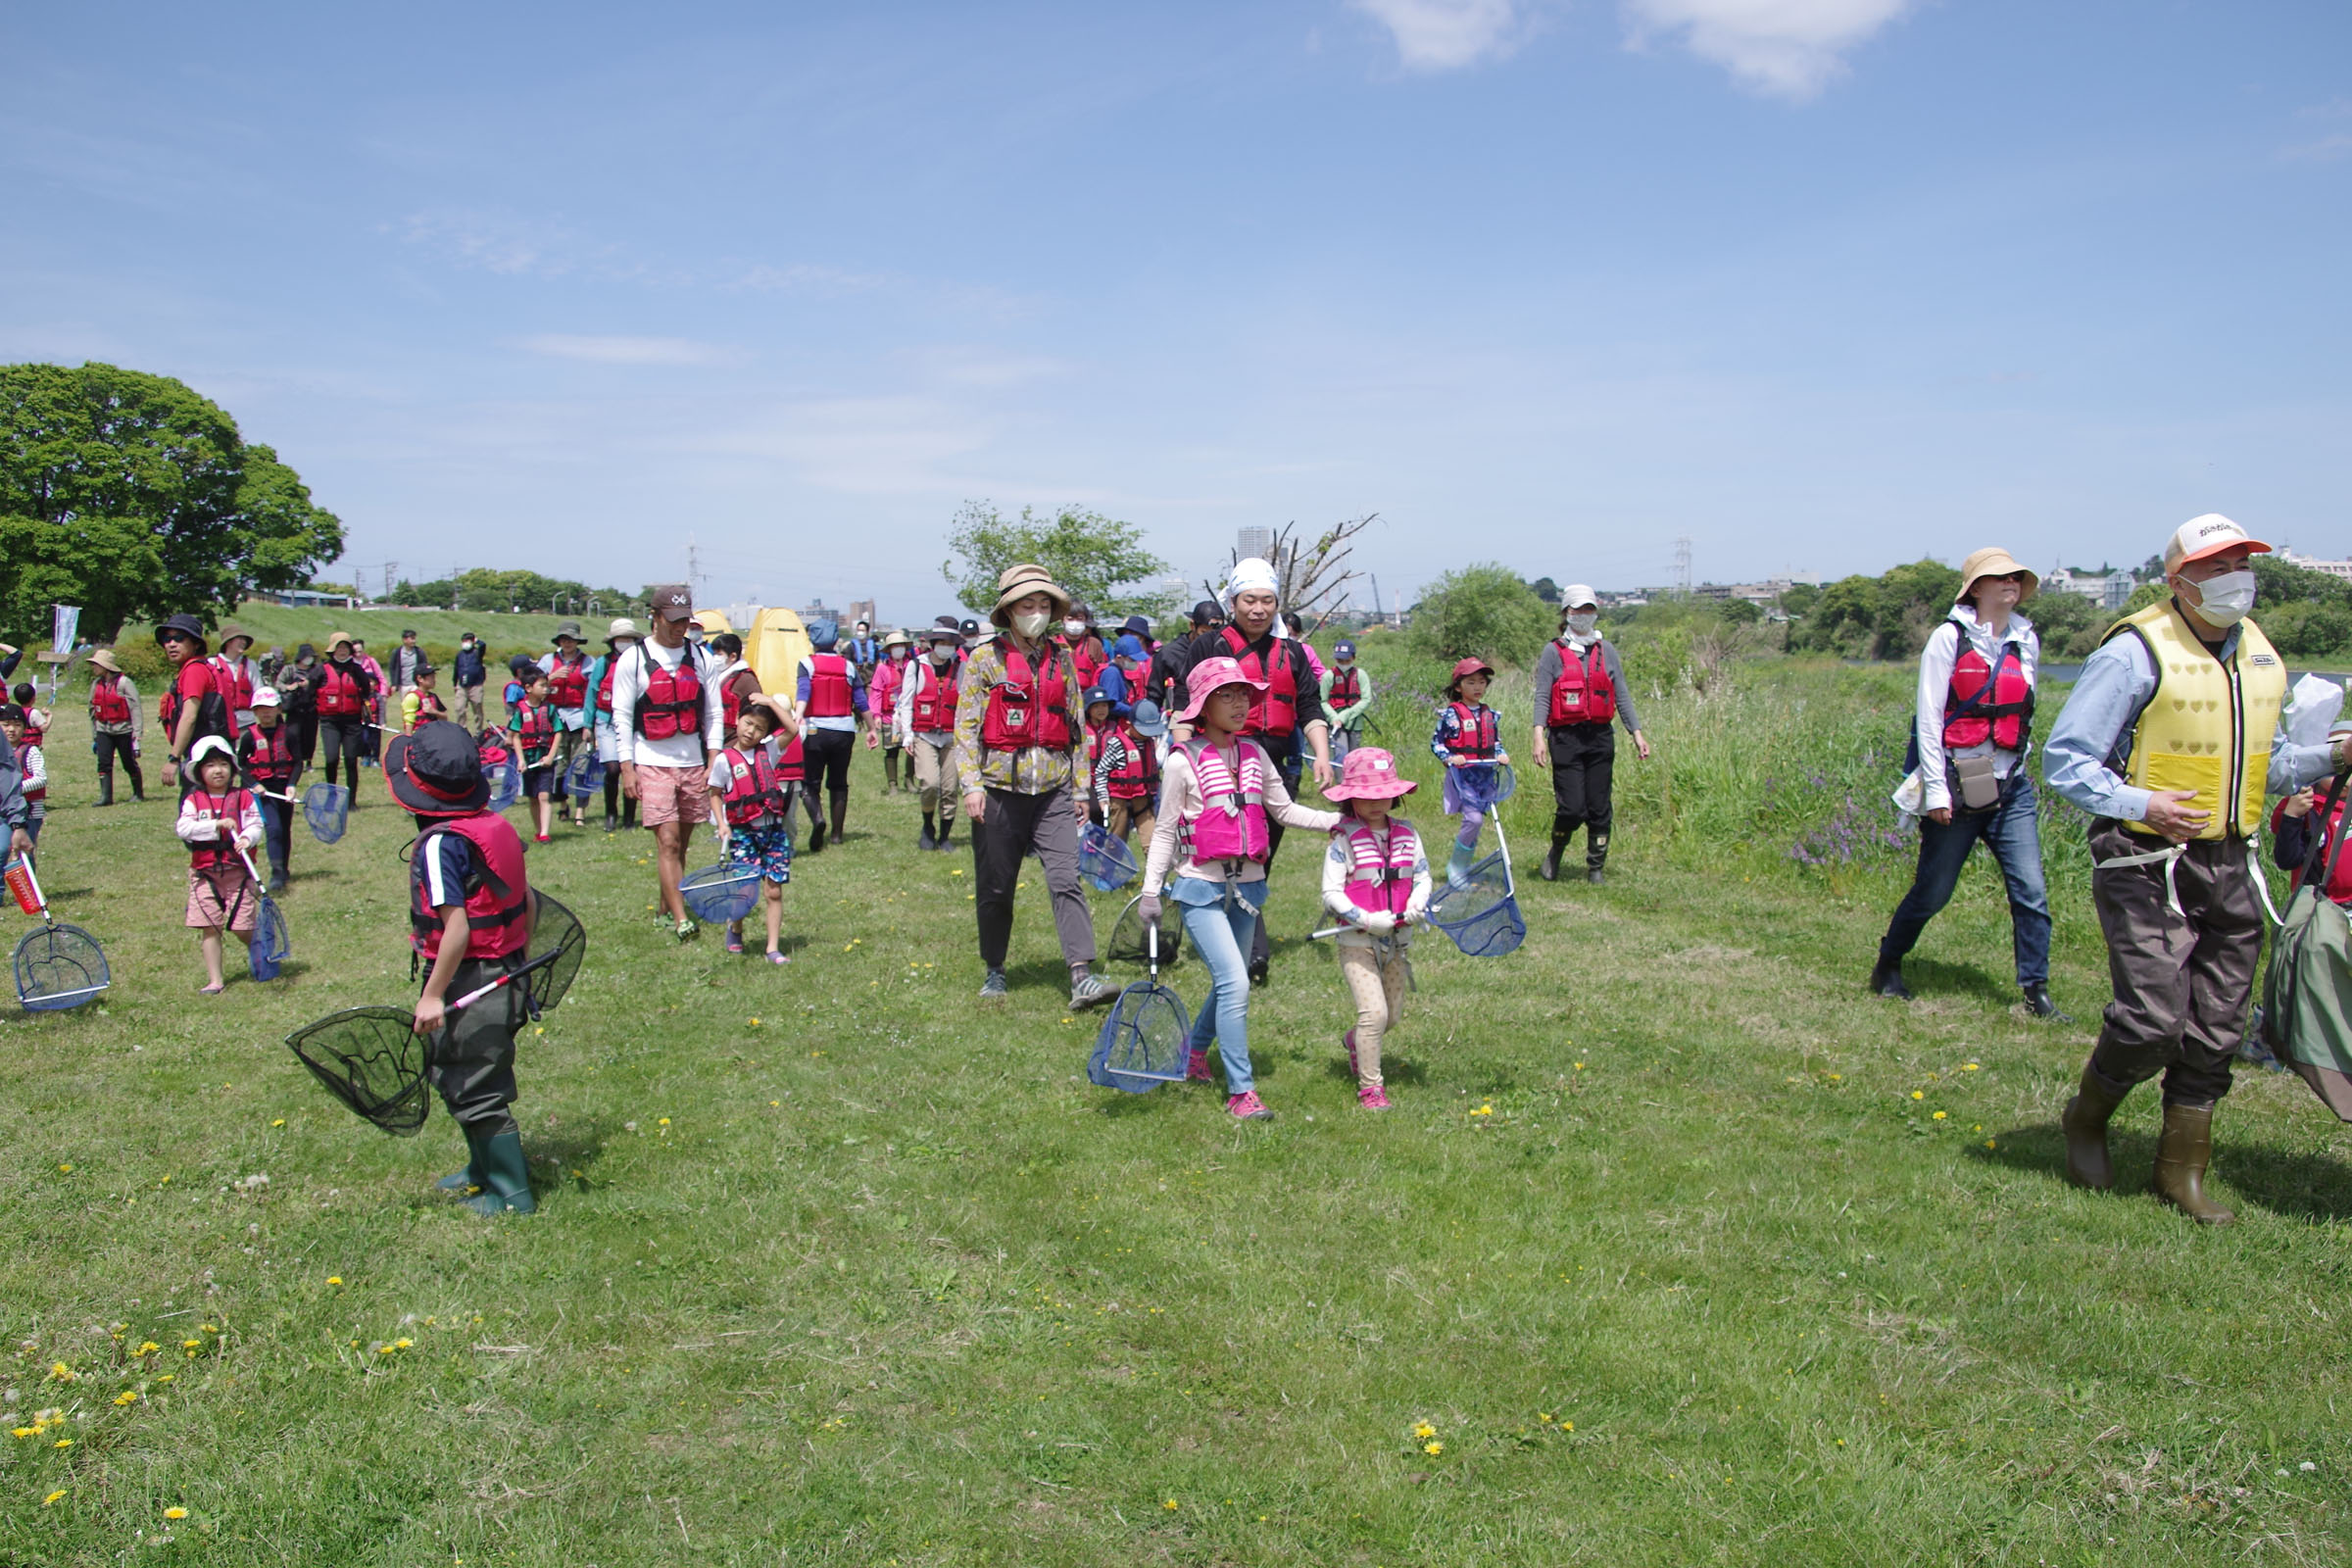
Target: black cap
x=11, y=711
x=436, y=772
x=1141, y=625
x=1207, y=612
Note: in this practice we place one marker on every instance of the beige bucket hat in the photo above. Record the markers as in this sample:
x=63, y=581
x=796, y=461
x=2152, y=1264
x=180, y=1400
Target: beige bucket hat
x=1994, y=561
x=1017, y=583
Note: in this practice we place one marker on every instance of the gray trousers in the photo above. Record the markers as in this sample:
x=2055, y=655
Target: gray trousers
x=472, y=1061
x=1015, y=824
x=2183, y=982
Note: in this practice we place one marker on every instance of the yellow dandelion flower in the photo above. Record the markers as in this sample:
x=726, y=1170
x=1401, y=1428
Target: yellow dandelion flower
x=66, y=1168
x=175, y=1514
x=774, y=1104
x=403, y=1345
x=1433, y=1449
x=127, y=1396
x=755, y=1023
x=1425, y=1430
x=165, y=1378
x=278, y=1122
x=1543, y=1415
x=1940, y=1115
x=193, y=1344
x=53, y=1496
x=63, y=1442
x=1988, y=1142
x=1567, y=1426
x=664, y=1121
x=334, y=1279
x=1968, y=1066
x=1580, y=1066
x=1919, y=1093
x=1170, y=1506
x=59, y=1372
x=24, y=1432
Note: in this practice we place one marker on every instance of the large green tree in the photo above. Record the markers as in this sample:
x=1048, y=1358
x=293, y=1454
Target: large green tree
x=134, y=497
x=1091, y=556
x=1483, y=610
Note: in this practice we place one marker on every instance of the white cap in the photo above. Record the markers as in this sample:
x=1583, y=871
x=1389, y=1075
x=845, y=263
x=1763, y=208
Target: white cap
x=1577, y=595
x=206, y=747
x=266, y=697
x=2208, y=535
x=1251, y=576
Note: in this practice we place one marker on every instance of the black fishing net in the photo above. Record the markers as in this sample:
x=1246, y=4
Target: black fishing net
x=1126, y=944
x=372, y=1060
x=60, y=966
x=557, y=931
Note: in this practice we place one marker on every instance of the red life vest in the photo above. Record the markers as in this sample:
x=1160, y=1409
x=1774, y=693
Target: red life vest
x=269, y=756
x=2005, y=717
x=498, y=892
x=1583, y=694
x=233, y=681
x=570, y=681
x=934, y=700
x=755, y=787
x=671, y=703
x=536, y=729
x=212, y=715
x=1274, y=711
x=732, y=691
x=34, y=734
x=232, y=807
x=1027, y=709
x=24, y=753
x=339, y=692
x=429, y=707
x=1346, y=687
x=1475, y=732
x=1137, y=777
x=1232, y=824
x=1380, y=879
x=788, y=766
x=830, y=691
x=107, y=705
x=1089, y=659
x=604, y=684
x=2339, y=885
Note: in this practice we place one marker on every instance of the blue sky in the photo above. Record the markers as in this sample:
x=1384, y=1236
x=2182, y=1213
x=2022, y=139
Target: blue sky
x=1818, y=283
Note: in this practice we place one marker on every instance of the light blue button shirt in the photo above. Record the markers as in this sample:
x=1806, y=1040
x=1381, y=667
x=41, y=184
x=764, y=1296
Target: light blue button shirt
x=2097, y=722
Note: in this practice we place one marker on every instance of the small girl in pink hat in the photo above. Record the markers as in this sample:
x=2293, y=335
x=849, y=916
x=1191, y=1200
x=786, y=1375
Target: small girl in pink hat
x=1375, y=878
x=1216, y=795
x=1468, y=735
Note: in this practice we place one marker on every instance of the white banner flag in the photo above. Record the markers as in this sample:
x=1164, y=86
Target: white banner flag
x=69, y=621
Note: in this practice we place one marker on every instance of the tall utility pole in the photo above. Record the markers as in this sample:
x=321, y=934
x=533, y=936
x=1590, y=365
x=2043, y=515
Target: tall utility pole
x=1682, y=567
x=390, y=566
x=1376, y=594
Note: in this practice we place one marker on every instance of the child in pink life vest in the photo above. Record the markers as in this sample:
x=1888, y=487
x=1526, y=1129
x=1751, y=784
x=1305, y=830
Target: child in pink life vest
x=216, y=820
x=1468, y=735
x=1208, y=852
x=1376, y=879
x=754, y=827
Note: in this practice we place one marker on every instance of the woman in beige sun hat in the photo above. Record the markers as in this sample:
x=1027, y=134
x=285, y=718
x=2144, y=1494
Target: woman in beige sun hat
x=1974, y=735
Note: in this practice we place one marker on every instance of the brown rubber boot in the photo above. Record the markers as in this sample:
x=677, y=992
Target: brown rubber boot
x=2182, y=1152
x=2085, y=1124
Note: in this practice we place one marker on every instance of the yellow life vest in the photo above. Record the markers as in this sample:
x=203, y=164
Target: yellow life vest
x=2209, y=725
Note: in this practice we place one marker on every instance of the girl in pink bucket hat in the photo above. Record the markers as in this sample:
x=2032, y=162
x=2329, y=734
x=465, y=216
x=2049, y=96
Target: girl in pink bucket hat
x=1376, y=879
x=1217, y=793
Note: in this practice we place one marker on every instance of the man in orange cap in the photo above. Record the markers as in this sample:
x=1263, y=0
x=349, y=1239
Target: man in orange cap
x=2171, y=739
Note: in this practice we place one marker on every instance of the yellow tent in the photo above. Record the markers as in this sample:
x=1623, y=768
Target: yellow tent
x=714, y=623
x=774, y=647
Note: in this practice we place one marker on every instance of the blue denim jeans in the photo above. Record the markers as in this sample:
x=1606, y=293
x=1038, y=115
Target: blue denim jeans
x=2011, y=830
x=1221, y=931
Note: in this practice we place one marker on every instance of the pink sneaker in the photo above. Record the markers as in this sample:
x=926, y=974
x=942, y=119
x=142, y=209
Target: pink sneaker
x=1196, y=1071
x=1348, y=1040
x=1372, y=1097
x=1246, y=1106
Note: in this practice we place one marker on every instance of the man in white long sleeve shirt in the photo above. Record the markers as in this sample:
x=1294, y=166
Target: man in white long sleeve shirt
x=667, y=718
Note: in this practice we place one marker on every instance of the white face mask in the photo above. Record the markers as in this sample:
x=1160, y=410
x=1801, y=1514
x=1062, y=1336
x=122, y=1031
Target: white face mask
x=1583, y=622
x=2226, y=598
x=1030, y=623
x=1073, y=628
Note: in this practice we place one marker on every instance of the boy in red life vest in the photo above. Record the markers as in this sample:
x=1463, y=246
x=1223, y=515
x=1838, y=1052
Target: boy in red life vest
x=32, y=767
x=1376, y=879
x=1219, y=795
x=470, y=910
x=266, y=757
x=27, y=695
x=1126, y=768
x=923, y=718
x=665, y=718
x=532, y=728
x=191, y=707
x=1347, y=698
x=753, y=821
x=882, y=703
x=115, y=725
x=235, y=676
x=619, y=640
x=1469, y=734
x=568, y=679
x=216, y=820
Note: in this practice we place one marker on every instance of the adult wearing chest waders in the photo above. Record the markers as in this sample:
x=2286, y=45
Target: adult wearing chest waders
x=1019, y=732
x=2170, y=739
x=1580, y=691
x=1973, y=734
x=925, y=723
x=1285, y=710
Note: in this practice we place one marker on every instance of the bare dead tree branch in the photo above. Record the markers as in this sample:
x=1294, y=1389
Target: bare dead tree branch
x=1313, y=578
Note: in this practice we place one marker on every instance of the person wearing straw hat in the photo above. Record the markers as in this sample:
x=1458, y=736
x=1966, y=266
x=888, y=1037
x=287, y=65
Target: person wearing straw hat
x=568, y=684
x=1973, y=733
x=471, y=912
x=620, y=638
x=1376, y=879
x=115, y=726
x=2170, y=739
x=668, y=719
x=924, y=720
x=1579, y=689
x=1019, y=732
x=882, y=706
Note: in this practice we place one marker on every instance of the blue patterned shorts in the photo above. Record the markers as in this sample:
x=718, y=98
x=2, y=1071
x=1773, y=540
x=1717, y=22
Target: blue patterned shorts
x=767, y=850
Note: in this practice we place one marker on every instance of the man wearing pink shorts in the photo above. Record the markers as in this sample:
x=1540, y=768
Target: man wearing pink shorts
x=667, y=718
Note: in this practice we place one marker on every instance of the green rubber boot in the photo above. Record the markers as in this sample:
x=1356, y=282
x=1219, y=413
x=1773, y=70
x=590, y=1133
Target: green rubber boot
x=461, y=1181
x=508, y=1190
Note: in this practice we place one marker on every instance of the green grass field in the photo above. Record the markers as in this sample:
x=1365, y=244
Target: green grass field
x=1681, y=1247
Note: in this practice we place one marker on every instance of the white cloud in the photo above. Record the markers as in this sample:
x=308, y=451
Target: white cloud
x=1789, y=48
x=608, y=349
x=1448, y=35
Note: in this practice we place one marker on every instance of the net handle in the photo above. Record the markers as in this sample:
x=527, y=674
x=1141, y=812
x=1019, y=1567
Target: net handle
x=511, y=976
x=33, y=878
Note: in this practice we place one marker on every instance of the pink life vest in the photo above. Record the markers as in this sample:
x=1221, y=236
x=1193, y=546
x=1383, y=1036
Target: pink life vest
x=1381, y=880
x=1232, y=824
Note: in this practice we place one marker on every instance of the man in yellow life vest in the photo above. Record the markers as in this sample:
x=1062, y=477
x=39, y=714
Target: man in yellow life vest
x=2171, y=739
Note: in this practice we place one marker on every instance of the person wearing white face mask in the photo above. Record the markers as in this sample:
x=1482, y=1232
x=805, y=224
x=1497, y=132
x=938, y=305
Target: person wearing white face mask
x=1579, y=689
x=2171, y=739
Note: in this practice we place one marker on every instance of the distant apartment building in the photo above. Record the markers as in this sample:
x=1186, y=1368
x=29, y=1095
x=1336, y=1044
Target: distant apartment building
x=1258, y=542
x=2333, y=568
x=2109, y=589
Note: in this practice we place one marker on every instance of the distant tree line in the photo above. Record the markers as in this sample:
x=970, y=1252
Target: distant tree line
x=485, y=590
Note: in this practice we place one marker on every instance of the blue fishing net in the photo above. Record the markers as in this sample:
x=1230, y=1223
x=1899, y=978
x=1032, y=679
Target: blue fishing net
x=1107, y=864
x=505, y=782
x=60, y=966
x=722, y=893
x=1481, y=913
x=270, y=943
x=1145, y=1042
x=326, y=807
x=1483, y=785
x=585, y=776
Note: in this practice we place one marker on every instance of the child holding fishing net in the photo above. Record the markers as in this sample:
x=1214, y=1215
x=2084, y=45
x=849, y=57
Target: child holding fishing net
x=221, y=824
x=1376, y=879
